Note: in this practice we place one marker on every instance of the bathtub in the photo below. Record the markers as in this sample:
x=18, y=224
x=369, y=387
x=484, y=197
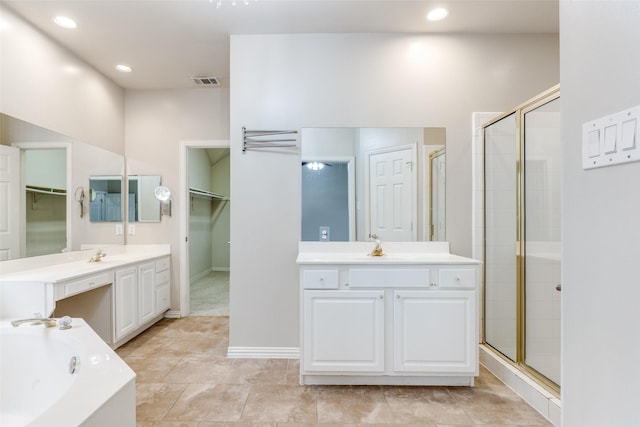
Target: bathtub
x=40, y=387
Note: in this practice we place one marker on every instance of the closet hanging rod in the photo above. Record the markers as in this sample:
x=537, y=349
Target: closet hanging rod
x=253, y=139
x=42, y=190
x=207, y=194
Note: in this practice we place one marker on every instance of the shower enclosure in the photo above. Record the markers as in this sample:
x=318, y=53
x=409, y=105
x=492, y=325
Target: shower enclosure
x=522, y=237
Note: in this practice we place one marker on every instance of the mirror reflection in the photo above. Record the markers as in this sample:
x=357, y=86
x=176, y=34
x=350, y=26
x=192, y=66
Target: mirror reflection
x=45, y=198
x=142, y=205
x=45, y=177
x=437, y=191
x=105, y=199
x=357, y=182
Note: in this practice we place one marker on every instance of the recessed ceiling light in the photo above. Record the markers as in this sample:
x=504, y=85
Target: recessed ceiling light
x=124, y=68
x=437, y=14
x=65, y=22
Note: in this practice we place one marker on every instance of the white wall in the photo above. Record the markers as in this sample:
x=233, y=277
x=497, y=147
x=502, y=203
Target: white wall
x=358, y=80
x=601, y=230
x=44, y=84
x=156, y=123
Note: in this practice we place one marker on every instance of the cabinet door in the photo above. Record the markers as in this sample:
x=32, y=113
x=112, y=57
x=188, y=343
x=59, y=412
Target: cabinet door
x=146, y=291
x=125, y=301
x=434, y=331
x=343, y=331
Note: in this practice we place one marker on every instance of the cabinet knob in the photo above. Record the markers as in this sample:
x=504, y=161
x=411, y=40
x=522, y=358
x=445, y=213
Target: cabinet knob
x=559, y=287
x=381, y=297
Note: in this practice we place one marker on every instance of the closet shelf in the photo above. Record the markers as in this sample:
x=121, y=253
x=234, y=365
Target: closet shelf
x=43, y=190
x=195, y=192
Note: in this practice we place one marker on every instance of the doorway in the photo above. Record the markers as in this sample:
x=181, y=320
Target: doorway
x=205, y=258
x=522, y=238
x=328, y=199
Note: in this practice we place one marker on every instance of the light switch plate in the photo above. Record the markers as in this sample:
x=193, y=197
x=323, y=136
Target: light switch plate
x=611, y=140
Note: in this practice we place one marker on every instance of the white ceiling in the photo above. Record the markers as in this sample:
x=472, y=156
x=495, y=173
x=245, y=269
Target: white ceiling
x=169, y=41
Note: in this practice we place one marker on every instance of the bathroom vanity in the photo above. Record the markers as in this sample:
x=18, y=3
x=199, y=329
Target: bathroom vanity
x=409, y=317
x=119, y=296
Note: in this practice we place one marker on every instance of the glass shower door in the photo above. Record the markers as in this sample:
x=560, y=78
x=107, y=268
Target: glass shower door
x=500, y=191
x=542, y=238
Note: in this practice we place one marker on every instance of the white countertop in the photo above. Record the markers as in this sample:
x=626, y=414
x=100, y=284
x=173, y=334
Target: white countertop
x=401, y=253
x=60, y=267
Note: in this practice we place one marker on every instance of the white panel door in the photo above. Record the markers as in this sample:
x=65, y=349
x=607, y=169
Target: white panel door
x=125, y=301
x=9, y=202
x=392, y=194
x=434, y=331
x=343, y=331
x=146, y=291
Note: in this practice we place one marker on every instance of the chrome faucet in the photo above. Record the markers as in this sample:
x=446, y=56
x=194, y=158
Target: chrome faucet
x=98, y=256
x=49, y=323
x=377, y=251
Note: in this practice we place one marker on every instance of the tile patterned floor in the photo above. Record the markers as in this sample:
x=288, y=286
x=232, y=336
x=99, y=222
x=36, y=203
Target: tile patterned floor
x=209, y=295
x=185, y=380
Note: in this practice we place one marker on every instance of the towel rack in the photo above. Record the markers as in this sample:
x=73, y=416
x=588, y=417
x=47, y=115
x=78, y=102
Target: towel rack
x=252, y=139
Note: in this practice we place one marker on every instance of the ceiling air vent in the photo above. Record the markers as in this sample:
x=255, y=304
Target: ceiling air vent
x=206, y=81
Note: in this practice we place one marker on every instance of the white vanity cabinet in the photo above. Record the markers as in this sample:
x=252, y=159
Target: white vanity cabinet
x=434, y=331
x=140, y=295
x=368, y=321
x=125, y=294
x=163, y=290
x=119, y=296
x=344, y=331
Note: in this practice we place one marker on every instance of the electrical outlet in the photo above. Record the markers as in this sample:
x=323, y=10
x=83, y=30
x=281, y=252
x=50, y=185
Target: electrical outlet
x=325, y=233
x=119, y=229
x=132, y=229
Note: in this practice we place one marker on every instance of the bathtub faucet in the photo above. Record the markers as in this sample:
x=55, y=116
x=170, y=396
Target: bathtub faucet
x=49, y=323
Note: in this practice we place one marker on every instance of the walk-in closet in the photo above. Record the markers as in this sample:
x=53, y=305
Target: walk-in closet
x=209, y=205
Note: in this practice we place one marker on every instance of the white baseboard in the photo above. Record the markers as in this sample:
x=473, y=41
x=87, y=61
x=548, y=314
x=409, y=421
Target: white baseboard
x=220, y=269
x=263, y=352
x=172, y=314
x=535, y=395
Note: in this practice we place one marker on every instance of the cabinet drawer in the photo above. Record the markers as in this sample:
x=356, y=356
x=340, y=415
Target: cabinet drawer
x=163, y=299
x=320, y=279
x=162, y=278
x=162, y=264
x=86, y=283
x=418, y=277
x=457, y=278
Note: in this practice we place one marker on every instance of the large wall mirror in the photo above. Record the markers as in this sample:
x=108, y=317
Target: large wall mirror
x=142, y=204
x=360, y=182
x=45, y=196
